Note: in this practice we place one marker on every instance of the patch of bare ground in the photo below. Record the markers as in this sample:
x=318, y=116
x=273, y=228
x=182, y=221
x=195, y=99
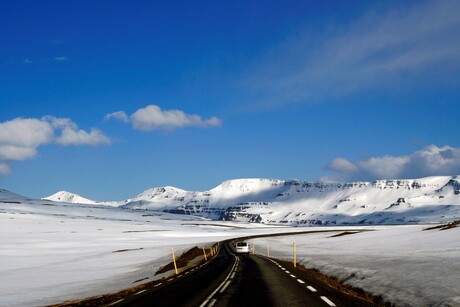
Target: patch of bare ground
x=106, y=299
x=445, y=226
x=134, y=231
x=215, y=225
x=336, y=284
x=127, y=250
x=345, y=233
x=184, y=259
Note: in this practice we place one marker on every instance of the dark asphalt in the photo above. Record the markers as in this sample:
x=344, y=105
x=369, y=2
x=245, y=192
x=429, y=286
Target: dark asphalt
x=187, y=290
x=247, y=281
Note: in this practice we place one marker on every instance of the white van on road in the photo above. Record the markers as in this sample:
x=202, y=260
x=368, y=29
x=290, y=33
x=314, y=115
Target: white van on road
x=242, y=248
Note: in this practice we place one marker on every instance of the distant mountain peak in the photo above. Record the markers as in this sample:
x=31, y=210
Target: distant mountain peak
x=296, y=202
x=69, y=197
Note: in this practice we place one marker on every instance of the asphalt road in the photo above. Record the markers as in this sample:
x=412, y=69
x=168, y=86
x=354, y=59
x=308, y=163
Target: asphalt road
x=241, y=280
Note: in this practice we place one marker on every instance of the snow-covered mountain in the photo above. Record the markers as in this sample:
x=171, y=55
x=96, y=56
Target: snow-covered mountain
x=68, y=197
x=294, y=202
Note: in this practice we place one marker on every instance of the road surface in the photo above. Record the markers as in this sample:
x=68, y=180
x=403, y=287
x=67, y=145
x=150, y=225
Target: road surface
x=241, y=280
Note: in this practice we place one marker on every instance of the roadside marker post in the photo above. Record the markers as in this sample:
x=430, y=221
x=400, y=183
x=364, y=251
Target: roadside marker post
x=204, y=253
x=174, y=260
x=295, y=255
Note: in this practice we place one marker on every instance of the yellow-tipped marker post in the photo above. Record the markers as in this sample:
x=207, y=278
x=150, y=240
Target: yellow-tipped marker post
x=174, y=260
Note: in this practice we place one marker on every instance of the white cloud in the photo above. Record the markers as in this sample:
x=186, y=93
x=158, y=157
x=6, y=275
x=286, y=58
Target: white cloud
x=384, y=167
x=27, y=61
x=71, y=136
x=27, y=132
x=60, y=58
x=60, y=123
x=13, y=152
x=429, y=161
x=21, y=137
x=120, y=115
x=342, y=165
x=377, y=51
x=214, y=121
x=152, y=117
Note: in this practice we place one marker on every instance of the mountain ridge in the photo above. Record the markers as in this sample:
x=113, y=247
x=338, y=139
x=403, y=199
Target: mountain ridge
x=296, y=202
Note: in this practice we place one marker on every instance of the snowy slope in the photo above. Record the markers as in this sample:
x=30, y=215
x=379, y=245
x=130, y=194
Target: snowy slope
x=293, y=202
x=67, y=197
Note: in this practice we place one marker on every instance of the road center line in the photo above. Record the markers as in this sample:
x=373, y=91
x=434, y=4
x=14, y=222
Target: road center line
x=287, y=272
x=142, y=291
x=328, y=301
x=311, y=289
x=212, y=303
x=221, y=284
x=300, y=281
x=158, y=285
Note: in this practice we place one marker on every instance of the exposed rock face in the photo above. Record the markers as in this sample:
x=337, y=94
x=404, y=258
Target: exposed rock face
x=294, y=202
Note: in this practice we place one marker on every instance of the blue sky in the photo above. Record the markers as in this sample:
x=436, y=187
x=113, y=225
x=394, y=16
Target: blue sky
x=109, y=98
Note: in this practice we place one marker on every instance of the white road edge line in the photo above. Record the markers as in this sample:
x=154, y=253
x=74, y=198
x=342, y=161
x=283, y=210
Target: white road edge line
x=212, y=303
x=225, y=287
x=311, y=288
x=119, y=301
x=328, y=301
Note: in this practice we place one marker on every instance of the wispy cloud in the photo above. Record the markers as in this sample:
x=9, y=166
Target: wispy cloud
x=152, y=117
x=429, y=161
x=27, y=61
x=60, y=58
x=4, y=169
x=21, y=137
x=120, y=115
x=376, y=51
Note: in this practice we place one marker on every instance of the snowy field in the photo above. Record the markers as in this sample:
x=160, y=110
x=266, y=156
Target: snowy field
x=404, y=264
x=53, y=252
